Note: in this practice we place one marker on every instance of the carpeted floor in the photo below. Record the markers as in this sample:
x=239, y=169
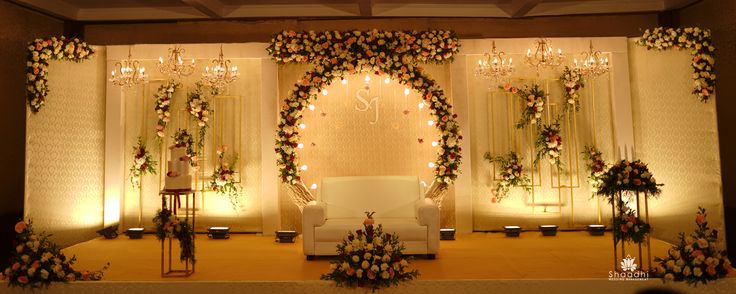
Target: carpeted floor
x=569, y=255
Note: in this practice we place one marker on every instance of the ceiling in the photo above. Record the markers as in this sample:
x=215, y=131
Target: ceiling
x=139, y=10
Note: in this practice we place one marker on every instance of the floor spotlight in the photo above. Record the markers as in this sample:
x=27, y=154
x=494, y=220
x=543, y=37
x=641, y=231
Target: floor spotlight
x=548, y=230
x=596, y=230
x=512, y=231
x=134, y=233
x=110, y=232
x=218, y=232
x=285, y=236
x=447, y=234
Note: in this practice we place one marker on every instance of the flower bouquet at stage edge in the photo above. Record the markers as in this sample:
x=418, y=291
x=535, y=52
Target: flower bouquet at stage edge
x=36, y=262
x=370, y=258
x=696, y=258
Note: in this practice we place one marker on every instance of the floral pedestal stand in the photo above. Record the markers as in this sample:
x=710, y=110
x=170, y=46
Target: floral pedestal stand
x=174, y=201
x=616, y=207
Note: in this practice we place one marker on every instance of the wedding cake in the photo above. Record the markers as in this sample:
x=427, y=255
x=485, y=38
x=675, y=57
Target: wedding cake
x=177, y=176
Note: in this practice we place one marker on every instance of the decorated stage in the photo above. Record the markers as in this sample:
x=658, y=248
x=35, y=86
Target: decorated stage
x=474, y=263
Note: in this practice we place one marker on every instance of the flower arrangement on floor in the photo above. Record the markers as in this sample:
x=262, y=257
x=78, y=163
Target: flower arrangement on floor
x=572, y=81
x=164, y=95
x=182, y=139
x=199, y=109
x=336, y=54
x=628, y=227
x=549, y=144
x=595, y=165
x=223, y=179
x=143, y=163
x=696, y=258
x=511, y=174
x=625, y=176
x=169, y=226
x=40, y=52
x=699, y=42
x=37, y=262
x=533, y=99
x=370, y=258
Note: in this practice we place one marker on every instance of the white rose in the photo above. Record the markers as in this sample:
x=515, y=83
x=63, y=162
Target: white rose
x=356, y=258
x=374, y=268
x=697, y=272
x=365, y=264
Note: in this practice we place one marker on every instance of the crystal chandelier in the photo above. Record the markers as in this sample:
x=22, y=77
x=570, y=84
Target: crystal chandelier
x=174, y=67
x=594, y=63
x=494, y=65
x=221, y=74
x=543, y=56
x=128, y=72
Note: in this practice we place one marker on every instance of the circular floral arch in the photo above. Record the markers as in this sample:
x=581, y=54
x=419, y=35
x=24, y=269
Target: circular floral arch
x=336, y=54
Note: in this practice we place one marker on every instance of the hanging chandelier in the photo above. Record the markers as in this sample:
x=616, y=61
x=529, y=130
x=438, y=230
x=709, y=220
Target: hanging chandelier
x=174, y=66
x=543, y=55
x=128, y=72
x=594, y=63
x=494, y=65
x=221, y=74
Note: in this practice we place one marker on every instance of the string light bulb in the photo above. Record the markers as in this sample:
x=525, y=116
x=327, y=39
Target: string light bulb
x=313, y=186
x=430, y=122
x=435, y=143
x=367, y=78
x=387, y=80
x=311, y=107
x=343, y=81
x=324, y=92
x=430, y=165
x=302, y=126
x=300, y=146
x=304, y=167
x=406, y=92
x=420, y=105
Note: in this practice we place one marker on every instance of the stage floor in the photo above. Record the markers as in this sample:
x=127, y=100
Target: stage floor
x=475, y=256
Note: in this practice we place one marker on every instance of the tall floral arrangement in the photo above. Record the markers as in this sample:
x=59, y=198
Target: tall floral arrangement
x=595, y=165
x=533, y=99
x=696, y=257
x=169, y=226
x=182, y=139
x=370, y=258
x=40, y=52
x=511, y=174
x=164, y=95
x=143, y=163
x=199, y=109
x=336, y=54
x=223, y=180
x=698, y=41
x=627, y=226
x=626, y=176
x=572, y=82
x=549, y=144
x=37, y=262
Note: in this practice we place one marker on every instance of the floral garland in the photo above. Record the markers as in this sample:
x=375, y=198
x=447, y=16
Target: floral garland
x=700, y=44
x=222, y=180
x=40, y=52
x=338, y=54
x=628, y=227
x=572, y=81
x=596, y=167
x=625, y=176
x=37, y=262
x=549, y=144
x=164, y=95
x=182, y=139
x=511, y=173
x=370, y=258
x=169, y=226
x=533, y=98
x=143, y=163
x=199, y=109
x=696, y=259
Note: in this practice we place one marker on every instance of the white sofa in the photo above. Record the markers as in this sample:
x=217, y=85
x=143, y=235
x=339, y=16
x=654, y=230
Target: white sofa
x=397, y=200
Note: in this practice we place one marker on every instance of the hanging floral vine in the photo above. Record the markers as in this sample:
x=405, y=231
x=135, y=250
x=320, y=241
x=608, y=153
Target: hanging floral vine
x=533, y=99
x=511, y=174
x=572, y=81
x=40, y=52
x=549, y=144
x=199, y=109
x=143, y=163
x=700, y=44
x=337, y=54
x=182, y=139
x=596, y=167
x=223, y=180
x=164, y=95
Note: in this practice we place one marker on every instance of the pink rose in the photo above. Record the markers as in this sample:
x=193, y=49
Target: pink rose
x=371, y=275
x=624, y=228
x=15, y=266
x=696, y=253
x=85, y=275
x=514, y=90
x=369, y=221
x=637, y=182
x=20, y=227
x=507, y=87
x=700, y=218
x=350, y=271
x=494, y=200
x=36, y=264
x=711, y=270
x=23, y=280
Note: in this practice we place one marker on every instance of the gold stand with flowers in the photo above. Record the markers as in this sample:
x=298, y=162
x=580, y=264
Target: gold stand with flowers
x=171, y=200
x=618, y=205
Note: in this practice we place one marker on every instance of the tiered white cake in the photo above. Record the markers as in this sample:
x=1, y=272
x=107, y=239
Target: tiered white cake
x=177, y=176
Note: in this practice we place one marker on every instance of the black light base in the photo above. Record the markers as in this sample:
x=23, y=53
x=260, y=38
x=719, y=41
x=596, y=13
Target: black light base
x=548, y=230
x=596, y=230
x=512, y=231
x=285, y=236
x=447, y=234
x=219, y=233
x=110, y=232
x=134, y=233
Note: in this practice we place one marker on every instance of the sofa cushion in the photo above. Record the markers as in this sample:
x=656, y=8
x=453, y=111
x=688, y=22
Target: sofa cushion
x=335, y=230
x=388, y=196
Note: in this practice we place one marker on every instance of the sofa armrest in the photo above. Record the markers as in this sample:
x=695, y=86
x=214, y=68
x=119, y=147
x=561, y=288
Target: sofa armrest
x=313, y=215
x=428, y=214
